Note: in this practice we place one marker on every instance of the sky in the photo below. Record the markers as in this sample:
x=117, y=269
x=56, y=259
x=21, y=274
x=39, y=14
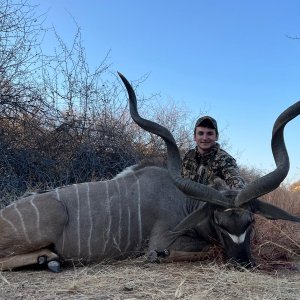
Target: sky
x=232, y=59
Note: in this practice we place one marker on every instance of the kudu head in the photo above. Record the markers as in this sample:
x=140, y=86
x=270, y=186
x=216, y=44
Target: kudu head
x=231, y=210
x=231, y=227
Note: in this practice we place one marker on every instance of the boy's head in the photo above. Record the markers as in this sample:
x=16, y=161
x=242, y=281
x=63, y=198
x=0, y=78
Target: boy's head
x=208, y=122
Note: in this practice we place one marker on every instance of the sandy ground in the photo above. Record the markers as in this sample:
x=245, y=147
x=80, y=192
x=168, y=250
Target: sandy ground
x=135, y=279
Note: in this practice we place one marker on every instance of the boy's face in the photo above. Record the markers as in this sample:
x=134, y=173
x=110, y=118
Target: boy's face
x=205, y=138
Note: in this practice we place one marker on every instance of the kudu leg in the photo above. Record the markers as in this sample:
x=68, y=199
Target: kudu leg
x=37, y=257
x=178, y=256
x=164, y=244
x=183, y=249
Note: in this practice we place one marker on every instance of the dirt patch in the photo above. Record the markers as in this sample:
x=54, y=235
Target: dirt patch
x=134, y=279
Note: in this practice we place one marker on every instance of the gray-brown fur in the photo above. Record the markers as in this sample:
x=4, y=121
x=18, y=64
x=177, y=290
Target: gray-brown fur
x=95, y=220
x=28, y=224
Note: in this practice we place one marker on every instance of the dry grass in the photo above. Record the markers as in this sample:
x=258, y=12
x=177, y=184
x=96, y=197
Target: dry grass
x=133, y=279
x=277, y=243
x=285, y=198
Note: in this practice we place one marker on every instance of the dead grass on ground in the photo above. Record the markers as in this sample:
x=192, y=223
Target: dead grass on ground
x=133, y=279
x=277, y=243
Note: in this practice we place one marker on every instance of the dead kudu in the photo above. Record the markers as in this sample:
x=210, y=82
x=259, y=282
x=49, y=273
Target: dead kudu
x=141, y=207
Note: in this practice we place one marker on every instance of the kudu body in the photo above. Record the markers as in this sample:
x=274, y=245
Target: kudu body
x=142, y=207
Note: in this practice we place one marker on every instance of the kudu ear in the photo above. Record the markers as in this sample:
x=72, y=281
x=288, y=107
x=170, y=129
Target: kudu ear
x=271, y=211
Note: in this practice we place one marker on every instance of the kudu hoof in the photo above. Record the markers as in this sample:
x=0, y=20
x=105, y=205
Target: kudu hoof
x=52, y=263
x=54, y=266
x=154, y=255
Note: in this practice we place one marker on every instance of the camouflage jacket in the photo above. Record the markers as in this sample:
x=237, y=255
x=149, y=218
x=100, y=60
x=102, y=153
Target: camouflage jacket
x=204, y=168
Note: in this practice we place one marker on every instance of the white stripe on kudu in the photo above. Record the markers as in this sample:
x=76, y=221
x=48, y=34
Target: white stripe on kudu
x=63, y=234
x=139, y=207
x=108, y=214
x=128, y=214
x=78, y=219
x=23, y=224
x=129, y=227
x=8, y=221
x=91, y=219
x=37, y=217
x=120, y=212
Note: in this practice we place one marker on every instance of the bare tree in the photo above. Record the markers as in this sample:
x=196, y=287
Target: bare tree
x=88, y=130
x=20, y=36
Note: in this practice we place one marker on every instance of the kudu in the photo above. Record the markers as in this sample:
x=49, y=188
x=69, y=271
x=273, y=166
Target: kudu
x=142, y=206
